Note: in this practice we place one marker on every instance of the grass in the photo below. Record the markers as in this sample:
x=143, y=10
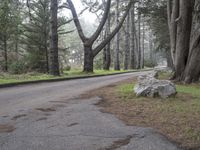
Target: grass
x=177, y=118
x=9, y=78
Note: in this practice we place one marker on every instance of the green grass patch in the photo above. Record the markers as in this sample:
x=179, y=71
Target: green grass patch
x=175, y=117
x=194, y=90
x=189, y=92
x=9, y=78
x=164, y=75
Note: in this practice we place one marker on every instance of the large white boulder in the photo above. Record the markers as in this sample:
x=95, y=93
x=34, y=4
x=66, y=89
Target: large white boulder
x=148, y=86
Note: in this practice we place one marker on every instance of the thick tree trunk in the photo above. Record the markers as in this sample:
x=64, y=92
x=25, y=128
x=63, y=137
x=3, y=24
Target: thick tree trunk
x=132, y=39
x=184, y=23
x=192, y=71
x=53, y=55
x=173, y=14
x=107, y=56
x=127, y=43
x=116, y=59
x=88, y=59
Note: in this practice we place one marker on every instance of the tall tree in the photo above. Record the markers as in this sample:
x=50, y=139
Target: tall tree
x=8, y=25
x=127, y=43
x=117, y=39
x=180, y=23
x=53, y=52
x=133, y=40
x=192, y=71
x=36, y=35
x=107, y=55
x=139, y=39
x=89, y=52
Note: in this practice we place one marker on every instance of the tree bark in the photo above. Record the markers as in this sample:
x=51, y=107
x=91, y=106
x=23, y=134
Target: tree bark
x=143, y=42
x=139, y=40
x=127, y=43
x=192, y=71
x=169, y=60
x=53, y=55
x=5, y=55
x=107, y=56
x=117, y=43
x=132, y=39
x=173, y=14
x=88, y=59
x=184, y=23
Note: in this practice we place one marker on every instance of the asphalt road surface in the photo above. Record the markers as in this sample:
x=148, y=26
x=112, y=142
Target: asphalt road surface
x=51, y=116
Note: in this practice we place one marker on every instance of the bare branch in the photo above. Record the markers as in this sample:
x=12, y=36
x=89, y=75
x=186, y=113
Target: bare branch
x=114, y=32
x=102, y=23
x=76, y=21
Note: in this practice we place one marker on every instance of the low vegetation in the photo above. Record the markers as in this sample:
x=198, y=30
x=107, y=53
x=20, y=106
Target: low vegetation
x=177, y=118
x=10, y=78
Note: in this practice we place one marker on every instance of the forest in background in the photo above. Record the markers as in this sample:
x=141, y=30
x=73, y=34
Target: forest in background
x=43, y=36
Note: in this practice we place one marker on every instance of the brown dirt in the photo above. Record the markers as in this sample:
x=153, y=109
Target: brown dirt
x=119, y=143
x=6, y=128
x=177, y=126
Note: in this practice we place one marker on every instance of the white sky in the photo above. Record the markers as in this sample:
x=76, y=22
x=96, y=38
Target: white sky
x=87, y=16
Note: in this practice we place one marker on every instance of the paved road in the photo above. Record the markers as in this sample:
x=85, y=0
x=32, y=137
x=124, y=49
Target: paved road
x=25, y=97
x=50, y=116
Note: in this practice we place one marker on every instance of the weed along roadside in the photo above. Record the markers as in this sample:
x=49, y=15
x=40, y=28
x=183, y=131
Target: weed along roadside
x=14, y=80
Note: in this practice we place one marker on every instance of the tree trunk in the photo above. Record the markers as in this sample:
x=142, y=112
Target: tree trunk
x=53, y=55
x=173, y=13
x=5, y=55
x=143, y=40
x=116, y=61
x=88, y=59
x=192, y=71
x=169, y=60
x=184, y=23
x=88, y=42
x=132, y=39
x=139, y=41
x=47, y=59
x=127, y=43
x=107, y=56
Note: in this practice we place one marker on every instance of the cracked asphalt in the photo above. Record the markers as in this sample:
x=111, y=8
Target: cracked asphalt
x=51, y=116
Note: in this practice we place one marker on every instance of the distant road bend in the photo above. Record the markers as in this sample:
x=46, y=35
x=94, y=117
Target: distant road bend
x=18, y=98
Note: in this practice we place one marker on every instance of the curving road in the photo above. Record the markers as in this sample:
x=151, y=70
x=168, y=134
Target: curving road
x=50, y=116
x=26, y=97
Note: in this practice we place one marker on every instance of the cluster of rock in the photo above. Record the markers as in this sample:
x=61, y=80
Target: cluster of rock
x=149, y=86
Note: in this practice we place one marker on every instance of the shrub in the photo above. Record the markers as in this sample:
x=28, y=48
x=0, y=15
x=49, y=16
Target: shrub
x=149, y=63
x=17, y=67
x=67, y=68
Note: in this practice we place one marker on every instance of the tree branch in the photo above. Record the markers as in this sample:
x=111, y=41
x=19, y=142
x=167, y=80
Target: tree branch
x=102, y=23
x=76, y=21
x=114, y=32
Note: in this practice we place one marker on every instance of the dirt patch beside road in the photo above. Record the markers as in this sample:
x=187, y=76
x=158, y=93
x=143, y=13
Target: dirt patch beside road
x=176, y=118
